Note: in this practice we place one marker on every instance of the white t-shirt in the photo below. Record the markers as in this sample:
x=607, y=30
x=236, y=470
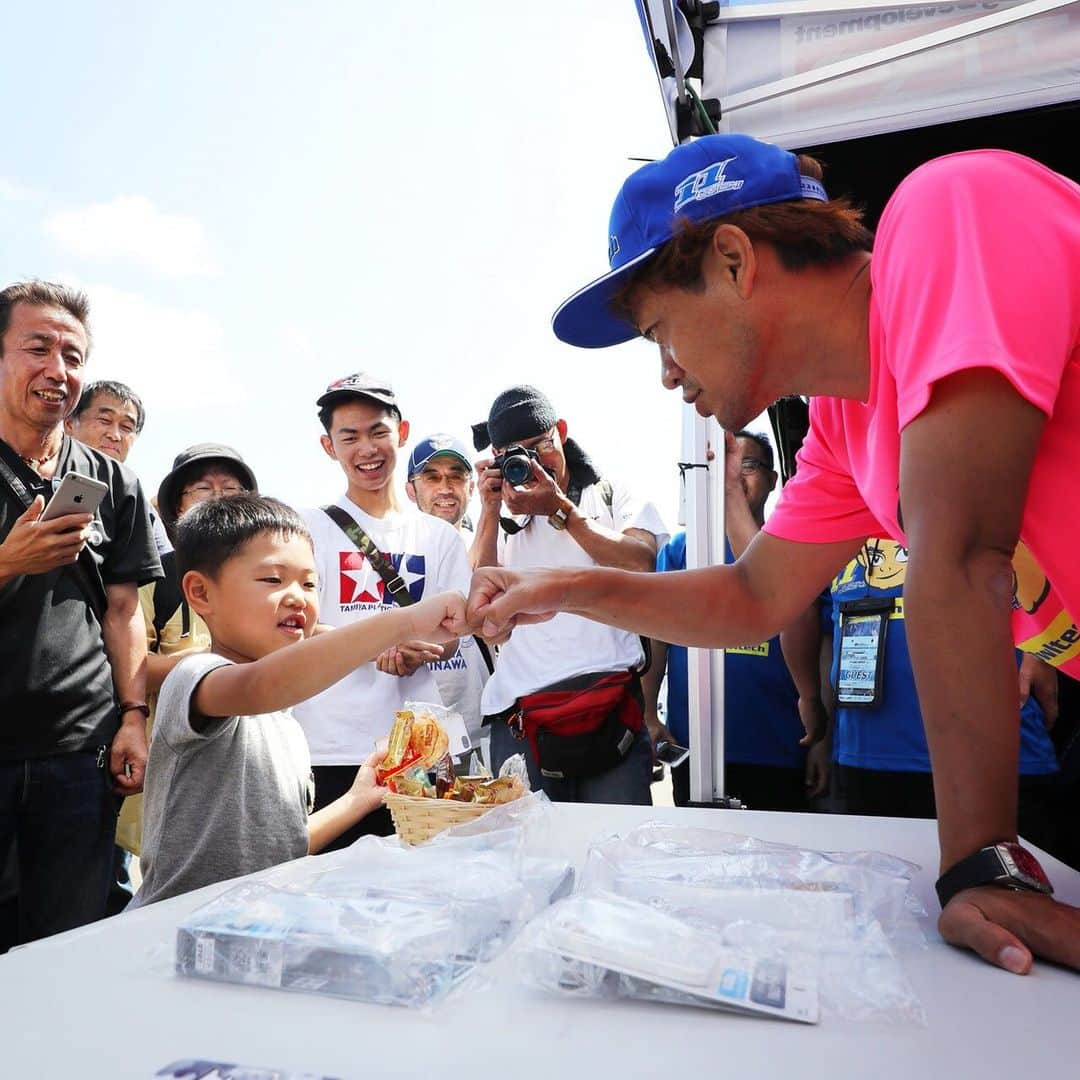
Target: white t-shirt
x=343, y=722
x=461, y=681
x=567, y=645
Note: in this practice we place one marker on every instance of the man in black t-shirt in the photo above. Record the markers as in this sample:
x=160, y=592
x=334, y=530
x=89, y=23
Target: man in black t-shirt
x=72, y=644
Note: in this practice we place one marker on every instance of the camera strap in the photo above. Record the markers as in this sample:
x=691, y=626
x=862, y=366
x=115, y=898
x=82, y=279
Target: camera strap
x=395, y=584
x=89, y=582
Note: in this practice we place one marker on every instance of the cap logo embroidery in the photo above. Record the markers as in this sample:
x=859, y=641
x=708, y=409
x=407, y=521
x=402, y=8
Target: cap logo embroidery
x=704, y=184
x=612, y=247
x=441, y=442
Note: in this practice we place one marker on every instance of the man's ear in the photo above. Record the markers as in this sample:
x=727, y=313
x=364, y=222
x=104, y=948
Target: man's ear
x=773, y=477
x=410, y=490
x=328, y=446
x=403, y=432
x=731, y=255
x=560, y=427
x=197, y=588
x=69, y=427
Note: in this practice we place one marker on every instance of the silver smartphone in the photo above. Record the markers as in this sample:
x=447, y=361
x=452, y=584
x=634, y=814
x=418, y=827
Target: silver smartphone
x=77, y=494
x=671, y=754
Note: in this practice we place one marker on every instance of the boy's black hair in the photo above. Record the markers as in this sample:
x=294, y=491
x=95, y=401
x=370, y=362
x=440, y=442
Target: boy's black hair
x=326, y=412
x=762, y=441
x=213, y=532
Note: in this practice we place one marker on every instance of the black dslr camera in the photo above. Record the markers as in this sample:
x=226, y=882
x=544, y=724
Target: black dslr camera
x=515, y=464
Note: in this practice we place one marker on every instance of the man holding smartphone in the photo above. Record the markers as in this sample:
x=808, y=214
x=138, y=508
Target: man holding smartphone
x=73, y=670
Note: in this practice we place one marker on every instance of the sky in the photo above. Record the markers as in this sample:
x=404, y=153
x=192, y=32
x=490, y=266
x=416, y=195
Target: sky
x=262, y=198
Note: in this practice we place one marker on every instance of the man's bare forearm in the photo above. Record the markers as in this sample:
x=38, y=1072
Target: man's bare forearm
x=962, y=656
x=606, y=547
x=124, y=635
x=485, y=546
x=715, y=607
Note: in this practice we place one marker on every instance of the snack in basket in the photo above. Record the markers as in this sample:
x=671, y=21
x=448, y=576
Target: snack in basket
x=416, y=739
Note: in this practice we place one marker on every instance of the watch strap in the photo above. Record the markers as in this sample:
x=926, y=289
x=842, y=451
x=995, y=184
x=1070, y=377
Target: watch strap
x=989, y=866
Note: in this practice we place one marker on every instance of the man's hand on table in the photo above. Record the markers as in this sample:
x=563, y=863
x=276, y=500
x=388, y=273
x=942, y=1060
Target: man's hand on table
x=1007, y=926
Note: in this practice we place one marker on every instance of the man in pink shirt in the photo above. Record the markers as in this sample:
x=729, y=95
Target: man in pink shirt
x=945, y=384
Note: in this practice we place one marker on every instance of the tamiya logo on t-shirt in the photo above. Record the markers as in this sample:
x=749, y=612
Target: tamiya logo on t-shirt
x=704, y=184
x=361, y=587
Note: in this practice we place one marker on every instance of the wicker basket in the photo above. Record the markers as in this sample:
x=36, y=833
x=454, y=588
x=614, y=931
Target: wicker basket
x=417, y=819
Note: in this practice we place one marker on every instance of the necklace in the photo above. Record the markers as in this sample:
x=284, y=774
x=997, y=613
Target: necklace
x=37, y=461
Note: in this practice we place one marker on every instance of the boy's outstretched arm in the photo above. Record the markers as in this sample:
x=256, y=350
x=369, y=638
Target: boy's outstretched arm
x=297, y=672
x=365, y=795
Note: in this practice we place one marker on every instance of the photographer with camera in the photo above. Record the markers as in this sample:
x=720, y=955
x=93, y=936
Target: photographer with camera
x=566, y=692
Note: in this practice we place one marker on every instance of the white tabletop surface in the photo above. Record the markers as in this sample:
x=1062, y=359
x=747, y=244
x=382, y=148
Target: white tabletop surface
x=103, y=1002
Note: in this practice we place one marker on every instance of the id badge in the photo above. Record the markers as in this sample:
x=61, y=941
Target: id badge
x=863, y=626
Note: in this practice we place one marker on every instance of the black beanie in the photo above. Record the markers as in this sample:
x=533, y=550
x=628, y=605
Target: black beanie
x=522, y=412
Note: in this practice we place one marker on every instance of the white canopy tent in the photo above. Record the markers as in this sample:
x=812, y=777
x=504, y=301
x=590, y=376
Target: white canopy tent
x=874, y=90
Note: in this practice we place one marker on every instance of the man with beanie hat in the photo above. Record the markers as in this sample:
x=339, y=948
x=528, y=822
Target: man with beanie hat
x=589, y=743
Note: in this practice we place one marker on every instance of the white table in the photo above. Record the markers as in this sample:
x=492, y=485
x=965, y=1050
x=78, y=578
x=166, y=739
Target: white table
x=103, y=1002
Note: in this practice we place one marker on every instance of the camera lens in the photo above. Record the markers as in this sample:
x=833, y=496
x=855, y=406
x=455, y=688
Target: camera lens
x=517, y=470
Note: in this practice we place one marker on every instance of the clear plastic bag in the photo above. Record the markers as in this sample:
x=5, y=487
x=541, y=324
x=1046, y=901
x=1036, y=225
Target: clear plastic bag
x=388, y=951
x=609, y=947
x=380, y=922
x=840, y=914
x=866, y=886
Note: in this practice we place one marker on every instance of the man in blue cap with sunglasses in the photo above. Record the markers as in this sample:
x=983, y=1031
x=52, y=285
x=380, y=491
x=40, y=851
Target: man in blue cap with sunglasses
x=945, y=415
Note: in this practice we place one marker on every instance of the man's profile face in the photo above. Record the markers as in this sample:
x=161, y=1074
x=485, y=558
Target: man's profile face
x=443, y=488
x=365, y=437
x=709, y=346
x=41, y=366
x=106, y=424
x=758, y=479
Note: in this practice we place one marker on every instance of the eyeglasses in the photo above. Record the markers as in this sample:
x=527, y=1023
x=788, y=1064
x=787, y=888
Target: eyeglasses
x=208, y=491
x=542, y=446
x=752, y=465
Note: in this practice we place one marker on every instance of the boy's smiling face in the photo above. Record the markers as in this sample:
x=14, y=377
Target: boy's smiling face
x=263, y=598
x=365, y=437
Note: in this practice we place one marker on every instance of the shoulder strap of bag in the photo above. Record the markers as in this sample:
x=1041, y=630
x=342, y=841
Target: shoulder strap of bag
x=89, y=583
x=393, y=581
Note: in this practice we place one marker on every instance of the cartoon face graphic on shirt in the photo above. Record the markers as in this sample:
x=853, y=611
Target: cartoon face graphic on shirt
x=884, y=563
x=1030, y=584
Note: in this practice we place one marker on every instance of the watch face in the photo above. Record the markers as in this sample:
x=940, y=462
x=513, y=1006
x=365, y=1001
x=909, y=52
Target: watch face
x=1021, y=864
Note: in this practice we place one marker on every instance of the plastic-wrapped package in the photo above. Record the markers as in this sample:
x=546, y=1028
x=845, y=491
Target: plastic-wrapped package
x=601, y=945
x=607, y=946
x=380, y=922
x=388, y=951
x=872, y=886
x=841, y=913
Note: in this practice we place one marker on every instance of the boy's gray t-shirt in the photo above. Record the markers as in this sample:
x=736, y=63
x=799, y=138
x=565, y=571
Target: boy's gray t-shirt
x=229, y=800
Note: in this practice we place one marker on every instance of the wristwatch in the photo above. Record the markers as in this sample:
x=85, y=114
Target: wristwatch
x=1006, y=864
x=559, y=518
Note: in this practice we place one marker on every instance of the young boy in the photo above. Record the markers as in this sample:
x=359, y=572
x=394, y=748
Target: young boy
x=228, y=782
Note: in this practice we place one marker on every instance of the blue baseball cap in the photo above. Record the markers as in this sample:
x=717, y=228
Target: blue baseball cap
x=434, y=445
x=708, y=178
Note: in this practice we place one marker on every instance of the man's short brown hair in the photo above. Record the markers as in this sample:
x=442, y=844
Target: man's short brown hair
x=44, y=294
x=804, y=233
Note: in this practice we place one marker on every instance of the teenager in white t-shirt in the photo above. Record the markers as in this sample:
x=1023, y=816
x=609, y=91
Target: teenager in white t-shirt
x=566, y=515
x=441, y=483
x=364, y=432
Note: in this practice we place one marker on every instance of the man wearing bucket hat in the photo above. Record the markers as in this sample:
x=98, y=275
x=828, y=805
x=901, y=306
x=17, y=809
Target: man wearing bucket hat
x=441, y=483
x=945, y=415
